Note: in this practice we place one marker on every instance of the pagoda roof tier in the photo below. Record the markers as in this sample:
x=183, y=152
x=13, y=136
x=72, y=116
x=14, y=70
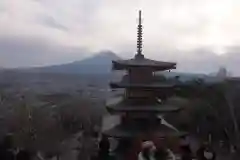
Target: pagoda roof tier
x=118, y=105
x=143, y=62
x=154, y=82
x=122, y=131
x=154, y=85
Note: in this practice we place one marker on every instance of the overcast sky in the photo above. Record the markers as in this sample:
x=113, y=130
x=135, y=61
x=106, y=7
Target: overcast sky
x=43, y=32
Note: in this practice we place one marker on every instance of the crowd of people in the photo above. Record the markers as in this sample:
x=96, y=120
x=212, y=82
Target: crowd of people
x=8, y=152
x=151, y=151
x=148, y=150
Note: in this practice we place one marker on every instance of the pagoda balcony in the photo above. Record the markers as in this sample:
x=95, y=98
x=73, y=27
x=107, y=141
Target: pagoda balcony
x=119, y=105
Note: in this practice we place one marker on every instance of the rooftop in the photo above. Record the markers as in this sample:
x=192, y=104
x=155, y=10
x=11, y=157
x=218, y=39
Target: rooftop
x=118, y=104
x=161, y=130
x=153, y=82
x=149, y=86
x=143, y=62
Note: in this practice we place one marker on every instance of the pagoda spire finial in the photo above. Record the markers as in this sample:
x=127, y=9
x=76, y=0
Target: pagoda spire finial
x=139, y=37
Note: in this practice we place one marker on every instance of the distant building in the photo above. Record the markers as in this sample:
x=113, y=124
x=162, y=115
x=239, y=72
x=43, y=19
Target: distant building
x=222, y=73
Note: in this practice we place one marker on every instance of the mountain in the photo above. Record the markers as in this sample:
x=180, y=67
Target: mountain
x=100, y=63
x=101, y=58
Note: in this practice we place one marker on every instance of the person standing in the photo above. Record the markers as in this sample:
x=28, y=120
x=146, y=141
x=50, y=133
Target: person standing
x=209, y=154
x=171, y=155
x=23, y=155
x=161, y=153
x=186, y=153
x=104, y=147
x=205, y=152
x=6, y=148
x=148, y=150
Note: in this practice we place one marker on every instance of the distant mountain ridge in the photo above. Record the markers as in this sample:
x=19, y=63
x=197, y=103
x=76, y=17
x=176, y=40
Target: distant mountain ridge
x=184, y=77
x=99, y=63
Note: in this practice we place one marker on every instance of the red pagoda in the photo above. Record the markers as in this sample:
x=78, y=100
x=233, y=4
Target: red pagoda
x=144, y=98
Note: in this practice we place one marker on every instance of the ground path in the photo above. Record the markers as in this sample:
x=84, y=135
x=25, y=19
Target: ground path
x=70, y=145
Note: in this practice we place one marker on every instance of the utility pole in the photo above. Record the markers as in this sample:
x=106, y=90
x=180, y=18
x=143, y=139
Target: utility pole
x=30, y=133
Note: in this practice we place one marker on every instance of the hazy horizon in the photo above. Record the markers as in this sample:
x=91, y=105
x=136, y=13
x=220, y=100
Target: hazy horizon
x=201, y=35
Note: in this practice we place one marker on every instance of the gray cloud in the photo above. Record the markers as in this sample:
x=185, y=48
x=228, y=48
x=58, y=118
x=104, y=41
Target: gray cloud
x=51, y=22
x=41, y=32
x=24, y=51
x=205, y=61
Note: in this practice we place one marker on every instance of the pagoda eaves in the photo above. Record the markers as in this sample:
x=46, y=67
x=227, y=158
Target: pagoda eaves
x=143, y=62
x=118, y=104
x=139, y=85
x=161, y=131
